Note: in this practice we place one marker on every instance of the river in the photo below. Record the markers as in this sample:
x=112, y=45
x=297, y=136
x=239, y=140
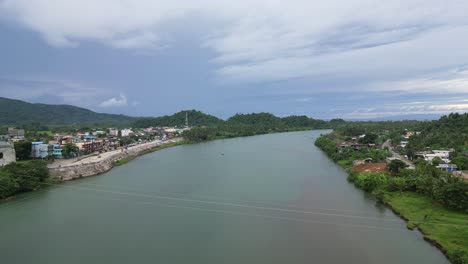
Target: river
x=266, y=199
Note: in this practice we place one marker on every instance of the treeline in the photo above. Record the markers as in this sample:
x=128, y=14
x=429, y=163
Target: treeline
x=440, y=186
x=377, y=127
x=448, y=132
x=22, y=176
x=242, y=125
x=197, y=118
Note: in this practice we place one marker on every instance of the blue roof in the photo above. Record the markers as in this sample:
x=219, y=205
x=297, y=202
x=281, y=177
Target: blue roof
x=90, y=137
x=37, y=142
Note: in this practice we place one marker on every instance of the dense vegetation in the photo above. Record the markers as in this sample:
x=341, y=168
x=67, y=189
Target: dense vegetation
x=242, y=125
x=448, y=132
x=22, y=176
x=362, y=127
x=18, y=113
x=345, y=158
x=196, y=118
x=434, y=201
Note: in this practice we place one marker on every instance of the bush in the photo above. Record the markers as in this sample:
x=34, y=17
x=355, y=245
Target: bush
x=22, y=177
x=8, y=186
x=352, y=175
x=396, y=184
x=371, y=181
x=453, y=193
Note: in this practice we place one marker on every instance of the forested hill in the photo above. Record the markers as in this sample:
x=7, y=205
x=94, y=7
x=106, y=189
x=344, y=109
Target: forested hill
x=195, y=118
x=16, y=112
x=267, y=119
x=448, y=132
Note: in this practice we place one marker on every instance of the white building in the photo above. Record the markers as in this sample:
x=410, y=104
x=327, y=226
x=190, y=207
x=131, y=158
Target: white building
x=403, y=144
x=126, y=132
x=442, y=154
x=113, y=132
x=7, y=153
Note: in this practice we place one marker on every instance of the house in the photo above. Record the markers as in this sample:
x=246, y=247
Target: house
x=447, y=167
x=90, y=138
x=442, y=154
x=15, y=132
x=92, y=146
x=39, y=150
x=57, y=151
x=403, y=143
x=113, y=132
x=7, y=153
x=355, y=146
x=363, y=161
x=126, y=132
x=408, y=134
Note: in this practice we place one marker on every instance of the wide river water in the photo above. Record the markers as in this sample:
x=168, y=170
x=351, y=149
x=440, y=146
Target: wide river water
x=265, y=199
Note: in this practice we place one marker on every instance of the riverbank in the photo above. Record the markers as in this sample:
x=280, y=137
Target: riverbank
x=429, y=200
x=97, y=164
x=446, y=229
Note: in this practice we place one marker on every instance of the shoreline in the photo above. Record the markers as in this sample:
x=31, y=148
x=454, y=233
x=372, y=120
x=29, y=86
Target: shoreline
x=390, y=202
x=101, y=163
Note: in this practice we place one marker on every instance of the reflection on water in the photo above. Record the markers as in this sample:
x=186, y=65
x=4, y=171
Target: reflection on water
x=269, y=199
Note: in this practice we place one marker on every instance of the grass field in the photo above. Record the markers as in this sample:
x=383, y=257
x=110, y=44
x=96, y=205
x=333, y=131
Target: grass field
x=448, y=229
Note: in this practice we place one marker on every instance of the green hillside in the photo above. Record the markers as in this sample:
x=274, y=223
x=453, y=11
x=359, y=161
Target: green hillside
x=16, y=113
x=195, y=118
x=270, y=120
x=448, y=132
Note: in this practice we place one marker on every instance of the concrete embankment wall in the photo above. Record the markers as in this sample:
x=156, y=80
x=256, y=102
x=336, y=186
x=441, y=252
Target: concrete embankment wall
x=80, y=169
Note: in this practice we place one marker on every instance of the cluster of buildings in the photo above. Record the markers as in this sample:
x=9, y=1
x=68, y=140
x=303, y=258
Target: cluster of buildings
x=353, y=143
x=86, y=142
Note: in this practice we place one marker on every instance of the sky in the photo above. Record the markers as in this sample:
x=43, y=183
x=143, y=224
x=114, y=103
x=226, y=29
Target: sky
x=355, y=59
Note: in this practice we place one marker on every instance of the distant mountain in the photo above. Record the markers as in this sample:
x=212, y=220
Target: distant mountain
x=16, y=112
x=419, y=117
x=195, y=118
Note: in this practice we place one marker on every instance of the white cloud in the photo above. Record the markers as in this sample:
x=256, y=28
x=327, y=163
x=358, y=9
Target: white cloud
x=439, y=82
x=115, y=102
x=33, y=88
x=268, y=40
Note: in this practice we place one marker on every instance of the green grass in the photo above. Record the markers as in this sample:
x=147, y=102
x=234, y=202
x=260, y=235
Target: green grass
x=444, y=227
x=163, y=146
x=45, y=132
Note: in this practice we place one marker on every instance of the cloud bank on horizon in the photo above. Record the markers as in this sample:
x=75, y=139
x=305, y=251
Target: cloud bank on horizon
x=390, y=58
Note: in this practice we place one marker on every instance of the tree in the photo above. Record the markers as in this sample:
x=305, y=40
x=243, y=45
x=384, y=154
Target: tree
x=436, y=161
x=461, y=162
x=22, y=176
x=396, y=165
x=70, y=150
x=23, y=150
x=369, y=139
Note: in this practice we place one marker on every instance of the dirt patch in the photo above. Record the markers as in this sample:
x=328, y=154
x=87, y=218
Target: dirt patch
x=371, y=167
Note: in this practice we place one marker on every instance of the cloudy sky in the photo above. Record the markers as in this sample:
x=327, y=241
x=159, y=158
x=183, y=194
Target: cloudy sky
x=355, y=59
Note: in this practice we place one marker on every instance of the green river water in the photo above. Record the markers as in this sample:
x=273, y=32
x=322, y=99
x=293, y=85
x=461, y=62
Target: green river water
x=265, y=199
